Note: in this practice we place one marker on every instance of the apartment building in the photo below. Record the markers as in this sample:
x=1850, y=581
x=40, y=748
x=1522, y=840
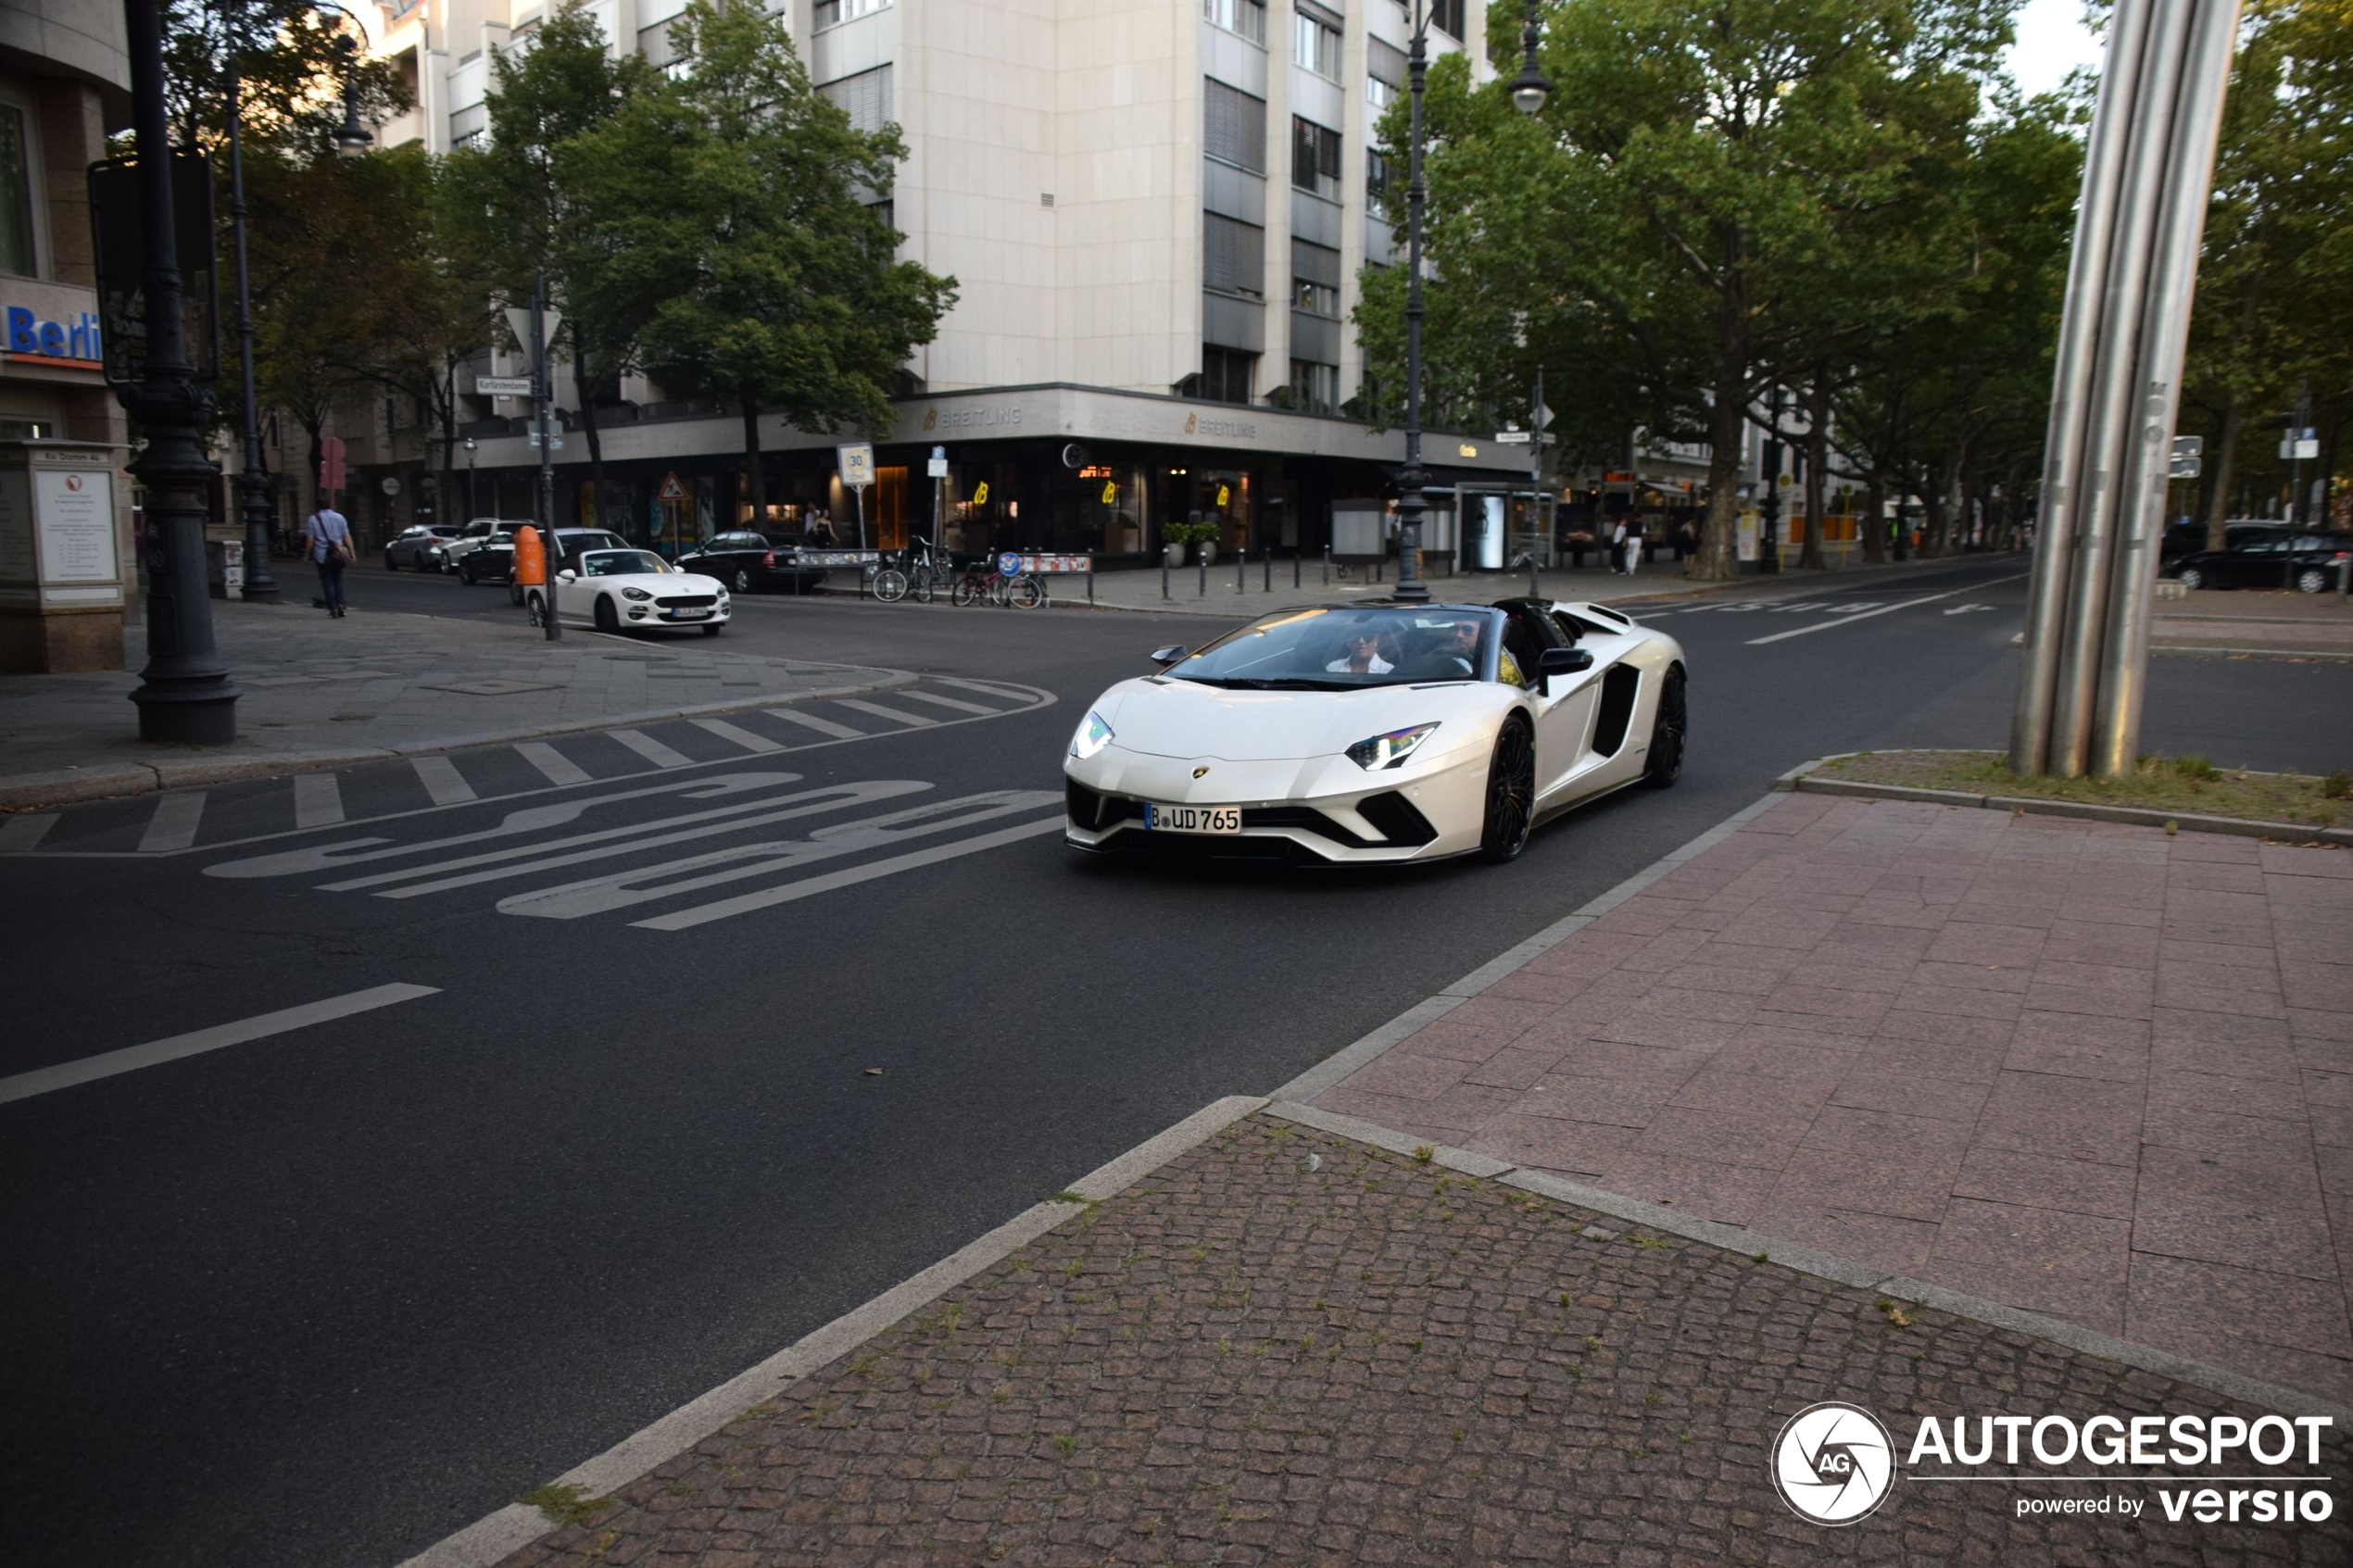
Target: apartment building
x=1156, y=212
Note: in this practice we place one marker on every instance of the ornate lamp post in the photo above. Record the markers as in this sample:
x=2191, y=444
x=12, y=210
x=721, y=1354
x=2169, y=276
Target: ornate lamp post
x=351, y=138
x=1528, y=93
x=253, y=484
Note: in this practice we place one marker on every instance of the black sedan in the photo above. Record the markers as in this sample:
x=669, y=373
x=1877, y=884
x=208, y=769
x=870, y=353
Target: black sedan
x=752, y=559
x=492, y=560
x=2272, y=559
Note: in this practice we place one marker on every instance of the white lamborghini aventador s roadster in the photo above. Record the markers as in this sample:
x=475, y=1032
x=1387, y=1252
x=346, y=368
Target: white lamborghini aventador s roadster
x=1378, y=731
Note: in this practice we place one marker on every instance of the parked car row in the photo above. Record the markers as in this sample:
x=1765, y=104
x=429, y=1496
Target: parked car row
x=2258, y=555
x=483, y=551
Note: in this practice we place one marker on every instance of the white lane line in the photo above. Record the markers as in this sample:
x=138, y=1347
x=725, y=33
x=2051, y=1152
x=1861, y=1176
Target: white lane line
x=21, y=833
x=686, y=919
x=40, y=1080
x=822, y=726
x=651, y=749
x=442, y=780
x=958, y=704
x=1883, y=609
x=558, y=768
x=895, y=715
x=317, y=801
x=735, y=736
x=1011, y=693
x=174, y=825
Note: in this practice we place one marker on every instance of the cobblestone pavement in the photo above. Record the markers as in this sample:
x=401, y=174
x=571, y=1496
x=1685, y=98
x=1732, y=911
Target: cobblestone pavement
x=2087, y=1069
x=1289, y=1348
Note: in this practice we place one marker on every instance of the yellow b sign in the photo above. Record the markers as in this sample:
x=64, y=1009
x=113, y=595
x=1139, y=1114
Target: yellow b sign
x=1224, y=496
x=1110, y=491
x=980, y=494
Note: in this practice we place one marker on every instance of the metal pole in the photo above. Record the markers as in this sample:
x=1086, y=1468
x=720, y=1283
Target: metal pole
x=1411, y=502
x=1295, y=569
x=1242, y=562
x=2196, y=119
x=543, y=399
x=253, y=484
x=184, y=691
x=1266, y=571
x=1164, y=569
x=1327, y=565
x=2064, y=455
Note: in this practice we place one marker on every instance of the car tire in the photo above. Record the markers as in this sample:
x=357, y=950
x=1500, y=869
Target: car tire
x=533, y=605
x=2311, y=580
x=1511, y=793
x=1664, y=764
x=514, y=593
x=741, y=581
x=712, y=631
x=607, y=618
x=466, y=575
x=2192, y=578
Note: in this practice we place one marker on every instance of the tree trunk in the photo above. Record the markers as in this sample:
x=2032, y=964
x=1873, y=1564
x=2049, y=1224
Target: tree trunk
x=1873, y=524
x=1817, y=465
x=2226, y=445
x=751, y=455
x=1719, y=531
x=445, y=504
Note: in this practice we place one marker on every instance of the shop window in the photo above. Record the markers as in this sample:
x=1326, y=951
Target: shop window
x=1226, y=374
x=1315, y=45
x=1245, y=17
x=1233, y=256
x=1233, y=126
x=1314, y=158
x=1314, y=387
x=16, y=194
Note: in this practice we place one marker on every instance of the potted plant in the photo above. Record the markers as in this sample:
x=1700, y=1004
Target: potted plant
x=1175, y=536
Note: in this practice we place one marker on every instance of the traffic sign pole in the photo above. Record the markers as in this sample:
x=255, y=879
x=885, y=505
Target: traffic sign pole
x=543, y=412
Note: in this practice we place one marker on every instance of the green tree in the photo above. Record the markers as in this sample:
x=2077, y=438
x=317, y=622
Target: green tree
x=290, y=57
x=741, y=201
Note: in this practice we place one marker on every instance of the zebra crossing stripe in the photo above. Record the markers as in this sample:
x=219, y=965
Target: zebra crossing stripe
x=21, y=833
x=822, y=726
x=895, y=715
x=1011, y=693
x=553, y=765
x=735, y=736
x=174, y=825
x=651, y=749
x=958, y=704
x=317, y=800
x=442, y=781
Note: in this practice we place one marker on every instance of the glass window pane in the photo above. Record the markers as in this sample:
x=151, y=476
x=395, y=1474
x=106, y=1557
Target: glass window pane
x=16, y=194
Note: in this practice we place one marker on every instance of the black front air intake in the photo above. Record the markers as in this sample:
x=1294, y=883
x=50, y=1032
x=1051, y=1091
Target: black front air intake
x=1400, y=821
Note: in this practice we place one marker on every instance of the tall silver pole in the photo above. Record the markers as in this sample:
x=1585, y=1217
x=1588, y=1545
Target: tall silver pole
x=2165, y=330
x=542, y=401
x=1411, y=481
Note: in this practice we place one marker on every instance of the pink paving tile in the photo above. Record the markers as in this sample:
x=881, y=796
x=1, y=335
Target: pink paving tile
x=2088, y=1001
x=2216, y=876
x=1886, y=1241
x=2213, y=848
x=2279, y=1099
x=1796, y=932
x=2173, y=993
x=2204, y=1130
x=2214, y=1209
x=1405, y=1075
x=2331, y=1097
x=1550, y=1144
x=1728, y=1194
x=1891, y=912
x=2081, y=1186
x=2182, y=1032
x=1622, y=1102
x=1454, y=1041
x=1713, y=1088
x=1465, y=1108
x=1500, y=1015
x=1919, y=996
x=2125, y=980
x=2081, y=942
x=1762, y=1139
x=2221, y=908
x=1829, y=1026
x=2097, y=1305
x=1889, y=1137
x=1946, y=1029
x=2092, y=1053
x=1871, y=1086
x=1714, y=975
x=2035, y=1113
x=2313, y=1023
x=2174, y=951
x=1516, y=1067
x=1828, y=1001
x=1844, y=1179
x=1646, y=1064
x=2200, y=1310
x=1664, y=951
x=1980, y=945
x=2294, y=859
x=2335, y=1162
x=1387, y=1111
x=2101, y=911
x=2262, y=979
x=1928, y=1059
x=1842, y=973
x=1669, y=1000
x=2326, y=988
x=1641, y=916
x=2012, y=978
x=2084, y=1246
x=1642, y=1028
x=1534, y=985
x=1776, y=1054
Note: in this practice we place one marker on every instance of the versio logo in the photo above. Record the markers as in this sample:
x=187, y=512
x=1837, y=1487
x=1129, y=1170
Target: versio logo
x=1834, y=1462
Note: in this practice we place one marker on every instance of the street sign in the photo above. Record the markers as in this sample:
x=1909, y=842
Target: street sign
x=2189, y=446
x=1511, y=438
x=503, y=386
x=670, y=489
x=2304, y=447
x=389, y=486
x=937, y=467
x=2188, y=468
x=857, y=464
x=555, y=445
x=331, y=450
x=519, y=320
x=1543, y=417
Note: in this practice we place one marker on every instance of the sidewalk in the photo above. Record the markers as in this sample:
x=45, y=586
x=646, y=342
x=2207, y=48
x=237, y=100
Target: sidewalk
x=2255, y=621
x=319, y=691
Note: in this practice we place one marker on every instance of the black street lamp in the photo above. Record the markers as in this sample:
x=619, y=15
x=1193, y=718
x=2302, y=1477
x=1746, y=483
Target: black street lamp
x=1529, y=94
x=472, y=509
x=253, y=484
x=351, y=138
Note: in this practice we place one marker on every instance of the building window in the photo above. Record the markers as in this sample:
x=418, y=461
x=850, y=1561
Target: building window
x=1448, y=15
x=865, y=98
x=1226, y=374
x=1245, y=17
x=15, y=195
x=830, y=12
x=1314, y=387
x=1376, y=178
x=1314, y=158
x=1385, y=67
x=1315, y=45
x=1315, y=272
x=1233, y=126
x=1233, y=256
x=1316, y=299
x=1380, y=93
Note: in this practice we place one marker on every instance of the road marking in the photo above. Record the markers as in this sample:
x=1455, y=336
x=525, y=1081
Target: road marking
x=40, y=1080
x=957, y=703
x=558, y=768
x=174, y=825
x=897, y=715
x=687, y=919
x=735, y=736
x=651, y=749
x=822, y=726
x=1965, y=610
x=1883, y=609
x=20, y=833
x=1011, y=693
x=442, y=780
x=317, y=801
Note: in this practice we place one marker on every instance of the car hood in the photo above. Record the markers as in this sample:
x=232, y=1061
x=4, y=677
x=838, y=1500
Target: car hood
x=660, y=584
x=1181, y=719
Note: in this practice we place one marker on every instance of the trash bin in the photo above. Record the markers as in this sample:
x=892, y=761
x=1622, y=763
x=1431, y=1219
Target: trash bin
x=224, y=562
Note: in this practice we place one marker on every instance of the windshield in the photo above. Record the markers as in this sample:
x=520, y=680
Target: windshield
x=619, y=563
x=1342, y=649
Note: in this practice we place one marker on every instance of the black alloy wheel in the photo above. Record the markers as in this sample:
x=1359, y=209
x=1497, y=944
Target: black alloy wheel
x=1668, y=727
x=606, y=618
x=1511, y=795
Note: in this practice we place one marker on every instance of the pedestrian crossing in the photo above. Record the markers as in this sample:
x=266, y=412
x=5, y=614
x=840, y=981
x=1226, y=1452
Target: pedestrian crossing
x=186, y=820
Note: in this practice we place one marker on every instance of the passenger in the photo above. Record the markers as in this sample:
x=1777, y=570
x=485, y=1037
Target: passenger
x=1364, y=656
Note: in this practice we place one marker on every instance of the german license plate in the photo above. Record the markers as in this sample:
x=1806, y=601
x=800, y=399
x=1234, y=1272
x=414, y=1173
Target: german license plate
x=689, y=614
x=1193, y=819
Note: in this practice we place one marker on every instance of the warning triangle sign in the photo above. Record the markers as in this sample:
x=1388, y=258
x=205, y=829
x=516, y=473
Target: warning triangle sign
x=670, y=489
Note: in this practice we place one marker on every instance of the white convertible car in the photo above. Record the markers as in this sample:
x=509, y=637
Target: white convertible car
x=1378, y=731
x=616, y=589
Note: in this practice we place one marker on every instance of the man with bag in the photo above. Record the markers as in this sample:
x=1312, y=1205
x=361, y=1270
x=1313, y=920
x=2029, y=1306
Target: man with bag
x=327, y=541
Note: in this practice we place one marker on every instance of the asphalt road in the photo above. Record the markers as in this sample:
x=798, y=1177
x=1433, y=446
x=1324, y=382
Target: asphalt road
x=320, y=1297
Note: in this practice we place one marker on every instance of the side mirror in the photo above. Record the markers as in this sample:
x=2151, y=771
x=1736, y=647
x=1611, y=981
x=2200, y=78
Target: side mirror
x=1169, y=655
x=567, y=576
x=1562, y=661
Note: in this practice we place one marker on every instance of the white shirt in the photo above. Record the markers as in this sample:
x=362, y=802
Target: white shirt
x=1379, y=666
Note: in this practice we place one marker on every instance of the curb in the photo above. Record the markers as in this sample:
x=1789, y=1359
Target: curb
x=497, y=1534
x=26, y=792
x=2337, y=654
x=1803, y=778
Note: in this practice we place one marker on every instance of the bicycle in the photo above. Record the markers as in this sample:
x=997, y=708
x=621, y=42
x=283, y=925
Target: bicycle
x=981, y=579
x=922, y=572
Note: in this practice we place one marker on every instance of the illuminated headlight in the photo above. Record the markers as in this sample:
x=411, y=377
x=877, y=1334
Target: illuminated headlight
x=1389, y=750
x=635, y=594
x=1093, y=736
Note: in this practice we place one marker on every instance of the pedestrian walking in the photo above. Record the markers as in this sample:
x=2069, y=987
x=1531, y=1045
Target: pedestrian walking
x=1627, y=546
x=327, y=541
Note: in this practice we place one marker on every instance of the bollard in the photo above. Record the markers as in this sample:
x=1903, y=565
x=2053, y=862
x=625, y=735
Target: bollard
x=1091, y=581
x=1163, y=571
x=1266, y=572
x=1531, y=579
x=1328, y=566
x=1294, y=568
x=1241, y=562
x=1200, y=563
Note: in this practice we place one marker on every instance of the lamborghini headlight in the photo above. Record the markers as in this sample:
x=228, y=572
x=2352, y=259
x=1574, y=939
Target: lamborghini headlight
x=1389, y=750
x=1093, y=736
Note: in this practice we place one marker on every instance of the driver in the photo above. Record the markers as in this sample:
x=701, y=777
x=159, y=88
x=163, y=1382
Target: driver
x=1363, y=656
x=1460, y=642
